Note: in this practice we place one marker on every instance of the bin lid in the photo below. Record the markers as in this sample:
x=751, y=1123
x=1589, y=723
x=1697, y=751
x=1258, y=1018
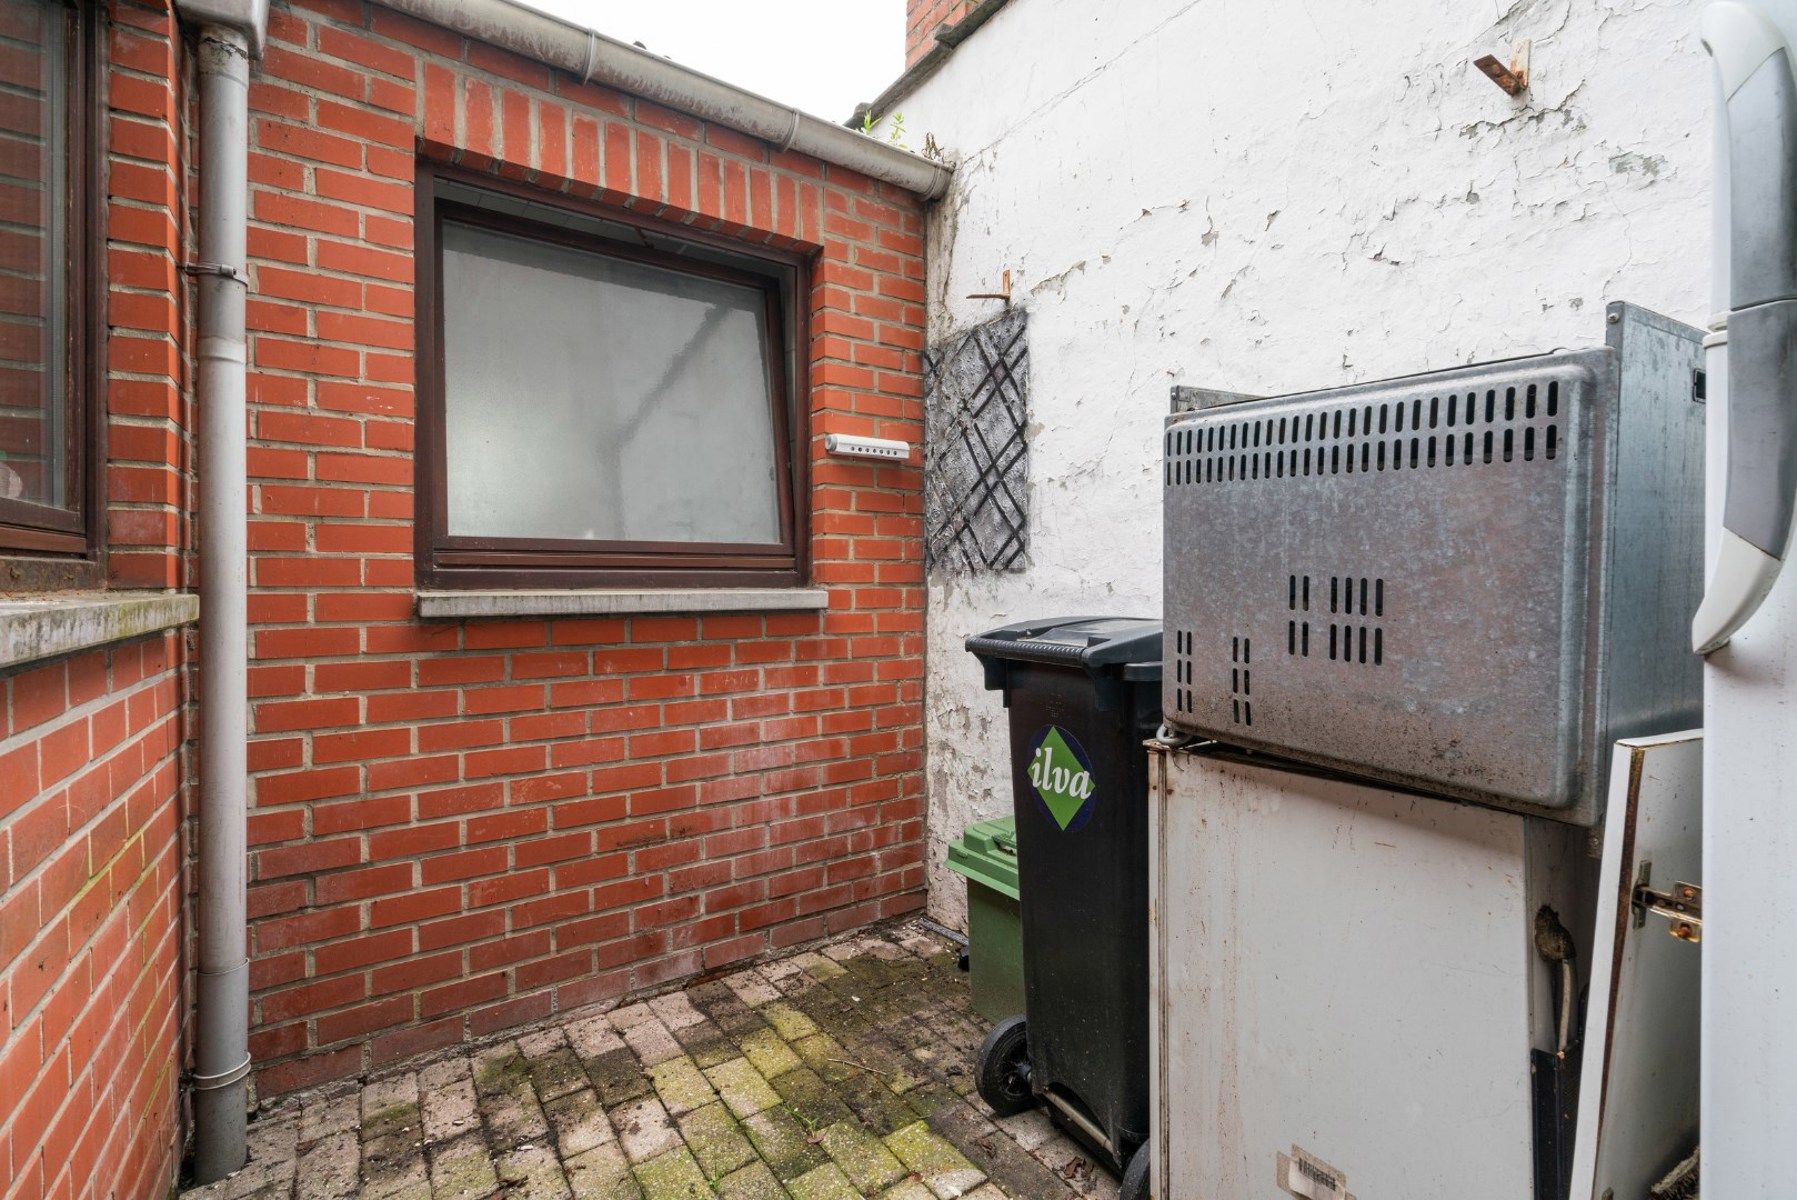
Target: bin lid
x=987, y=853
x=1089, y=642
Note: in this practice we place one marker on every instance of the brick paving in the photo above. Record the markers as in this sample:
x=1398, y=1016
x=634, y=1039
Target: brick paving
x=838, y=1072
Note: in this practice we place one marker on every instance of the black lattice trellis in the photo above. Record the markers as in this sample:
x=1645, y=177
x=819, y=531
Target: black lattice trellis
x=976, y=453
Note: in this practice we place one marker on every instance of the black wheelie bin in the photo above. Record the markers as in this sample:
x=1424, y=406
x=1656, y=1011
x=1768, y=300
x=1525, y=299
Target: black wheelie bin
x=1084, y=694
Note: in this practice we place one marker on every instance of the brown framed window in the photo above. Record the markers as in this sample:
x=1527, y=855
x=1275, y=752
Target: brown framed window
x=49, y=432
x=604, y=400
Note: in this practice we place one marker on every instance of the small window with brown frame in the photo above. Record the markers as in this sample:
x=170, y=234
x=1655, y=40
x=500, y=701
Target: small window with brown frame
x=50, y=432
x=604, y=400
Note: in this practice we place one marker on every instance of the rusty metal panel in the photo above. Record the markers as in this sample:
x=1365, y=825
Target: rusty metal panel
x=1413, y=580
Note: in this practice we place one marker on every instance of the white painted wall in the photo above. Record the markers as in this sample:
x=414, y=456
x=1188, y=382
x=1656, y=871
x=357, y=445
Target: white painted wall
x=1264, y=196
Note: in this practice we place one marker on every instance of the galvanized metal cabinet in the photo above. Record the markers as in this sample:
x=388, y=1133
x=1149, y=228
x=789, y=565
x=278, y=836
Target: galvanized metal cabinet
x=1469, y=582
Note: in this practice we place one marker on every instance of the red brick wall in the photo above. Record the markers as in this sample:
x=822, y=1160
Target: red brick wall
x=89, y=925
x=460, y=826
x=90, y=770
x=149, y=451
x=923, y=18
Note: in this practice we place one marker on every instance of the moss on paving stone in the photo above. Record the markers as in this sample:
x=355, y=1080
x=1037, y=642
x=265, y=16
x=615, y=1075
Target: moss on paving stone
x=788, y=1022
x=578, y=1121
x=770, y=1055
x=868, y=1058
x=811, y=1099
x=407, y=1180
x=710, y=992
x=783, y=1143
x=395, y=1118
x=531, y=1172
x=821, y=968
x=602, y=1174
x=992, y=1150
x=706, y=1044
x=844, y=1078
x=753, y=1182
x=823, y=1183
x=673, y=1176
x=929, y=1156
x=1017, y=1171
x=726, y=1009
x=392, y=1154
x=716, y=1140
x=927, y=1099
x=557, y=1073
x=461, y=1169
x=742, y=1087
x=681, y=1085
x=618, y=1077
x=903, y=1081
x=863, y=1157
x=962, y=1083
x=502, y=1074
x=513, y=1117
x=644, y=1130
x=875, y=1105
x=823, y=1054
x=912, y=1189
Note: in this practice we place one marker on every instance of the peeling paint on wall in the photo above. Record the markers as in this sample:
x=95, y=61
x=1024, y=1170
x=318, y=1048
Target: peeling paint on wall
x=1264, y=196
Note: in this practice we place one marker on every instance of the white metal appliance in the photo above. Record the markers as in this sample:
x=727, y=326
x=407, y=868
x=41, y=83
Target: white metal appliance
x=1348, y=994
x=1749, y=618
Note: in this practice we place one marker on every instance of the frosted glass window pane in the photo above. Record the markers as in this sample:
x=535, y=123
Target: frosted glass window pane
x=34, y=253
x=588, y=397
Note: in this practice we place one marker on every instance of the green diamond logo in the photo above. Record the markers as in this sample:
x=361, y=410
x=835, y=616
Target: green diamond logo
x=1061, y=775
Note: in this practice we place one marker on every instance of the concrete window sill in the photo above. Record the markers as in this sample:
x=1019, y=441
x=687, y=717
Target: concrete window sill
x=611, y=602
x=39, y=627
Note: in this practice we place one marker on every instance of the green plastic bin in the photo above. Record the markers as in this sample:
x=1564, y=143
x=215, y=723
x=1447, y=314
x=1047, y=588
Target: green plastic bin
x=987, y=855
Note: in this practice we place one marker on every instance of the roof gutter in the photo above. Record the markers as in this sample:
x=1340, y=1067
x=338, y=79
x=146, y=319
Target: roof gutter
x=592, y=57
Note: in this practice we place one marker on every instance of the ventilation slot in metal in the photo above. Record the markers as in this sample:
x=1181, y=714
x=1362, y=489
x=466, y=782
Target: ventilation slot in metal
x=1182, y=670
x=1459, y=429
x=1241, y=682
x=1360, y=642
x=1297, y=627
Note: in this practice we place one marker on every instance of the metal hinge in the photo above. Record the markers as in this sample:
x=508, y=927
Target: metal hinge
x=1682, y=906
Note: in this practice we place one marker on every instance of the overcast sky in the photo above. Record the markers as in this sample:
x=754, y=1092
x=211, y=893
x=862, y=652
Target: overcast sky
x=824, y=56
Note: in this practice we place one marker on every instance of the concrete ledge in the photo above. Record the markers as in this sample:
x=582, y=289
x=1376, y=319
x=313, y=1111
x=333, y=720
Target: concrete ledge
x=609, y=602
x=38, y=627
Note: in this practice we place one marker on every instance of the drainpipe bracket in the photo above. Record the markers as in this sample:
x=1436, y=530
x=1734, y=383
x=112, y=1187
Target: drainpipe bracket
x=224, y=1079
x=222, y=270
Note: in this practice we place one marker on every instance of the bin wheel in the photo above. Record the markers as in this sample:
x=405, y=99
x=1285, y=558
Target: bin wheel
x=1135, y=1176
x=1004, y=1072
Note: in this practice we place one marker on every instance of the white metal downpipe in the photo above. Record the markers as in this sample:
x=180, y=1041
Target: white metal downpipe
x=221, y=1050
x=589, y=55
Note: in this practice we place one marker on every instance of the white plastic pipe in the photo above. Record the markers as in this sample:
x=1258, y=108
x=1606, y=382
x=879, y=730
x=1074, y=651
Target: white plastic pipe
x=589, y=55
x=221, y=1048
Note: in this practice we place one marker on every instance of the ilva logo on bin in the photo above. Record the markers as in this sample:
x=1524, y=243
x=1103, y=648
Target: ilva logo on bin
x=1062, y=776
